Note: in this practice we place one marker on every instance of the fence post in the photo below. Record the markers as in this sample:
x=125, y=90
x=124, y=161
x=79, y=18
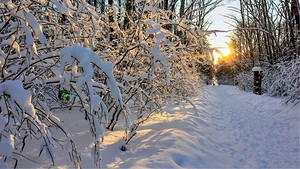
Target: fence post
x=257, y=77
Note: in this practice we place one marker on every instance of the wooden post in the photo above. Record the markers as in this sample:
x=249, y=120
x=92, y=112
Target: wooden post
x=257, y=77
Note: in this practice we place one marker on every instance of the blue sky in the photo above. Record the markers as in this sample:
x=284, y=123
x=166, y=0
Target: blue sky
x=220, y=22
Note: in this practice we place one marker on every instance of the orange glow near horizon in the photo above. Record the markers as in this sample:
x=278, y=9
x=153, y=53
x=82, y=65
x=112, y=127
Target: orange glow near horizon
x=220, y=53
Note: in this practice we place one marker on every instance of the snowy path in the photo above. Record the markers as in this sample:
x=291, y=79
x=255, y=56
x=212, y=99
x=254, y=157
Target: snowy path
x=263, y=133
x=231, y=129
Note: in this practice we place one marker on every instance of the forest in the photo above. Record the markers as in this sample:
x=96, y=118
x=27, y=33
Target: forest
x=118, y=62
x=267, y=36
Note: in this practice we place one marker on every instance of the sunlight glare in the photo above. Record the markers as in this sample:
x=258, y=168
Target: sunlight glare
x=225, y=51
x=220, y=52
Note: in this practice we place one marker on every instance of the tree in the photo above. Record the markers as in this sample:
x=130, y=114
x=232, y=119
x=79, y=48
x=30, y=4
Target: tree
x=182, y=8
x=295, y=12
x=49, y=62
x=102, y=6
x=129, y=11
x=266, y=36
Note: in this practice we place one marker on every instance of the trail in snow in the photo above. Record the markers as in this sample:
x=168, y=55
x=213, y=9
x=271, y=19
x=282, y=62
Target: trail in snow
x=263, y=133
x=230, y=129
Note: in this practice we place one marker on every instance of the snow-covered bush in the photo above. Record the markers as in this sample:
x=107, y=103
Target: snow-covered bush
x=111, y=74
x=27, y=60
x=244, y=81
x=24, y=119
x=282, y=79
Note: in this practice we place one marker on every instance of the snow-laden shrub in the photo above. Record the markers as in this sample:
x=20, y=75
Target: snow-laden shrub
x=282, y=79
x=26, y=60
x=22, y=121
x=112, y=73
x=244, y=81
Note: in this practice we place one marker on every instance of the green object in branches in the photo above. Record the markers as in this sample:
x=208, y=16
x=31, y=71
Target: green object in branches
x=64, y=95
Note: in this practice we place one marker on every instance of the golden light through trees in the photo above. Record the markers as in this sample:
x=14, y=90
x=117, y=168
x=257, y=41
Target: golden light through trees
x=219, y=53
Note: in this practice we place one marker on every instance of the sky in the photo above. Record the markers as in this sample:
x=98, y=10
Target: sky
x=221, y=22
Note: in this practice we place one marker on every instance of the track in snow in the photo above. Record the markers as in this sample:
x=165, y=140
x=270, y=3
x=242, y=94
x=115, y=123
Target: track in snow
x=260, y=131
x=230, y=129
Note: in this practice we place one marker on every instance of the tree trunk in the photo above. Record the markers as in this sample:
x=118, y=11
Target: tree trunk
x=102, y=6
x=290, y=30
x=295, y=12
x=111, y=20
x=129, y=9
x=166, y=4
x=111, y=3
x=182, y=6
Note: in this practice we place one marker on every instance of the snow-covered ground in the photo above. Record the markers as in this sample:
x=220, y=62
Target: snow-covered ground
x=230, y=129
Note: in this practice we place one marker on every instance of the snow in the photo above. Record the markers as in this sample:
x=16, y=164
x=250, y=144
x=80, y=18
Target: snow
x=96, y=103
x=160, y=36
x=156, y=28
x=89, y=8
x=144, y=75
x=68, y=4
x=3, y=122
x=18, y=94
x=85, y=57
x=4, y=166
x=129, y=78
x=61, y=7
x=37, y=28
x=150, y=8
x=29, y=39
x=99, y=129
x=256, y=69
x=231, y=129
x=7, y=146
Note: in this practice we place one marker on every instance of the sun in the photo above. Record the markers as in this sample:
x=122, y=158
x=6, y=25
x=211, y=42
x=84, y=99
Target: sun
x=219, y=44
x=220, y=52
x=225, y=51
